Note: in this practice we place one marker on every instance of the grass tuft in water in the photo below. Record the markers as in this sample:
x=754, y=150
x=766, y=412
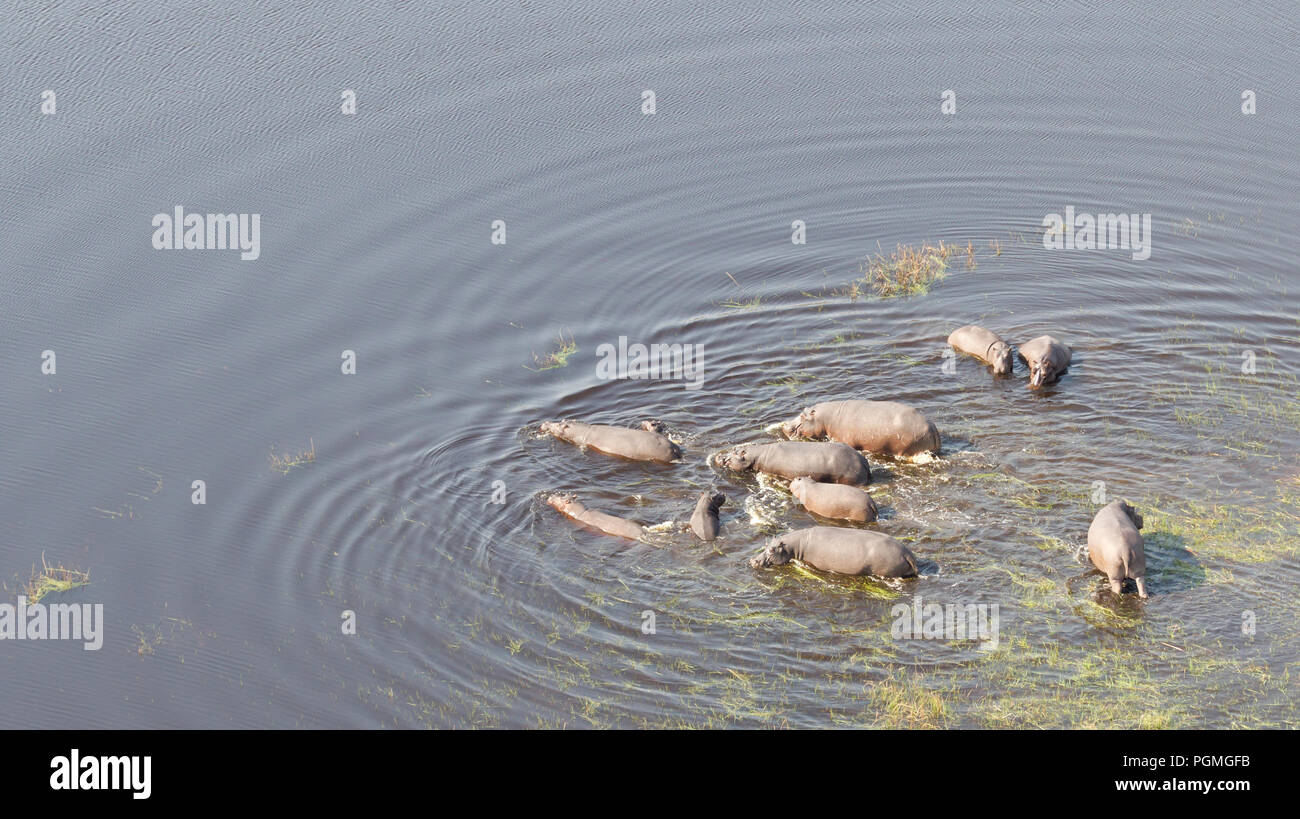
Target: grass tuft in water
x=53, y=580
x=286, y=462
x=559, y=357
x=910, y=270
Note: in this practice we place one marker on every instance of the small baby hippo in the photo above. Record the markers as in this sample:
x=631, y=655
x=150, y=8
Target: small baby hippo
x=834, y=500
x=568, y=504
x=985, y=345
x=705, y=523
x=845, y=551
x=1115, y=546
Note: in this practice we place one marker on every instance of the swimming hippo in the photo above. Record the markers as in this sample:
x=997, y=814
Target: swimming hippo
x=1116, y=547
x=646, y=444
x=705, y=523
x=846, y=551
x=985, y=345
x=833, y=500
x=1047, y=359
x=568, y=504
x=835, y=462
x=881, y=427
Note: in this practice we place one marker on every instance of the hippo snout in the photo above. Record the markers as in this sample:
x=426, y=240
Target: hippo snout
x=790, y=428
x=1002, y=363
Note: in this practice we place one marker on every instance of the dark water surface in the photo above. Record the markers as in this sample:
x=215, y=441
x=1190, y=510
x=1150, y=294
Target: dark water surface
x=375, y=237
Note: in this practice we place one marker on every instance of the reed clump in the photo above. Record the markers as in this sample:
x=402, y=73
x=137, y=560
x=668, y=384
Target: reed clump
x=910, y=270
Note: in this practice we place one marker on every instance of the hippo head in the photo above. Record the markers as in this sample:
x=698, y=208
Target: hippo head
x=1001, y=355
x=804, y=425
x=556, y=428
x=1132, y=514
x=563, y=501
x=655, y=425
x=776, y=553
x=716, y=499
x=1041, y=373
x=737, y=459
x=798, y=485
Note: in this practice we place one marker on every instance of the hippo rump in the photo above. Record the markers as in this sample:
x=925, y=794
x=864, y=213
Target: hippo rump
x=646, y=444
x=833, y=462
x=879, y=427
x=833, y=500
x=985, y=345
x=704, y=522
x=844, y=551
x=1116, y=547
x=568, y=504
x=1047, y=359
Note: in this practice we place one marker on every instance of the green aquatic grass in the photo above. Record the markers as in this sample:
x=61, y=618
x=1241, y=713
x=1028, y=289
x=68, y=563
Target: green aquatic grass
x=53, y=580
x=1252, y=531
x=909, y=270
x=559, y=357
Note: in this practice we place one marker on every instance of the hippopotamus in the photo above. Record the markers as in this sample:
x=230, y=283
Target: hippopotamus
x=705, y=523
x=645, y=444
x=833, y=500
x=568, y=504
x=845, y=551
x=1116, y=547
x=879, y=427
x=836, y=462
x=1047, y=359
x=983, y=344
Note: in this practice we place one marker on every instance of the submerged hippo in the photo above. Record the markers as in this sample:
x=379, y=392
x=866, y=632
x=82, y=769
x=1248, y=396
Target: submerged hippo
x=881, y=427
x=645, y=444
x=835, y=462
x=568, y=504
x=846, y=551
x=833, y=500
x=1047, y=359
x=985, y=345
x=705, y=523
x=1116, y=547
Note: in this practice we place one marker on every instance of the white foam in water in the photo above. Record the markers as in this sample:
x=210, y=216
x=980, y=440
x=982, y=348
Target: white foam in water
x=764, y=505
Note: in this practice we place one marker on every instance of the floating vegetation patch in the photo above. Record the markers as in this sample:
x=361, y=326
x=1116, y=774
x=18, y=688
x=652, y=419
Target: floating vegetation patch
x=910, y=270
x=745, y=304
x=286, y=462
x=52, y=580
x=558, y=357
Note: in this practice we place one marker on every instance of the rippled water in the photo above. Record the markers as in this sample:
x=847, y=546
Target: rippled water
x=669, y=228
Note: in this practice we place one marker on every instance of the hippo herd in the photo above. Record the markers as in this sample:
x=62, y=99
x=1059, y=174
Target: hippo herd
x=824, y=460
